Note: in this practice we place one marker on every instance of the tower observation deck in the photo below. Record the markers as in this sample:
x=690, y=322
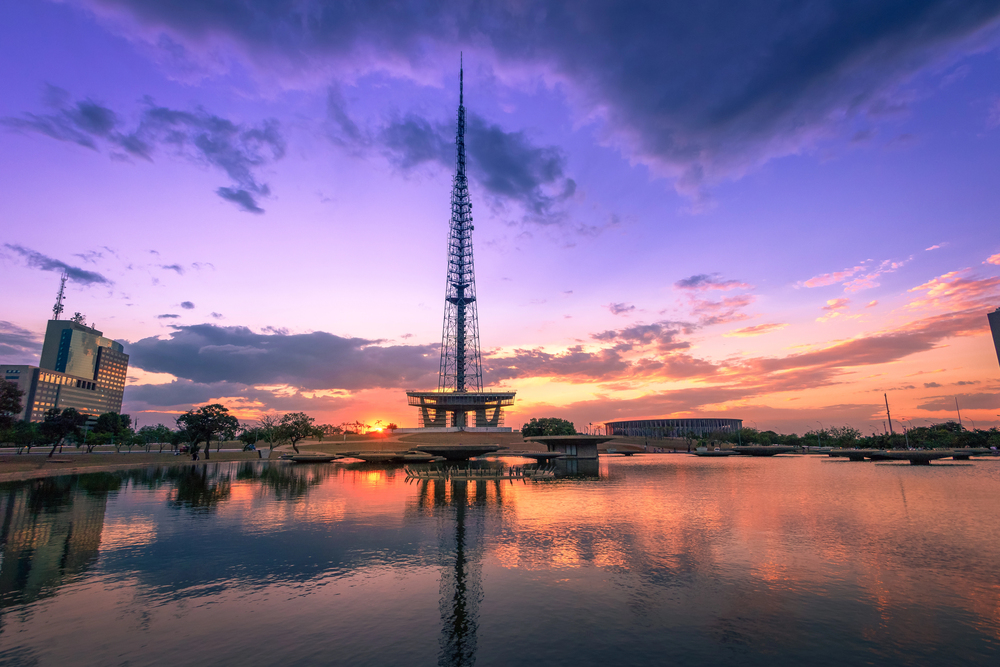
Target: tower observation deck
x=460, y=380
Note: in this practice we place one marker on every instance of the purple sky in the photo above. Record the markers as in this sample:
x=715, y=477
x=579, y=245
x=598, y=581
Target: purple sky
x=774, y=212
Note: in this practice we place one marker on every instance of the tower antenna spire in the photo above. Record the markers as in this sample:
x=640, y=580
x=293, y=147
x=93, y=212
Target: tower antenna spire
x=461, y=367
x=460, y=391
x=58, y=308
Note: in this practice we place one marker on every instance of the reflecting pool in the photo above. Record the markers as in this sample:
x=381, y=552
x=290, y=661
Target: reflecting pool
x=650, y=560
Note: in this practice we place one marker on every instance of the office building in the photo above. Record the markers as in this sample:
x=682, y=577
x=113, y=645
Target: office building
x=79, y=368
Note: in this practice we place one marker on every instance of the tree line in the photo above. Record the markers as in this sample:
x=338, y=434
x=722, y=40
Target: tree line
x=207, y=424
x=944, y=435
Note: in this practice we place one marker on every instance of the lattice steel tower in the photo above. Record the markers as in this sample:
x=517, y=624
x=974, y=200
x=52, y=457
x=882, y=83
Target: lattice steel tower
x=461, y=365
x=460, y=394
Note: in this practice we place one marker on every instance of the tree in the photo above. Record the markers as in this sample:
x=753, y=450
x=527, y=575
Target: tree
x=60, y=425
x=269, y=432
x=158, y=434
x=330, y=429
x=114, y=427
x=178, y=438
x=844, y=436
x=25, y=435
x=207, y=423
x=548, y=426
x=88, y=440
x=297, y=426
x=250, y=436
x=10, y=404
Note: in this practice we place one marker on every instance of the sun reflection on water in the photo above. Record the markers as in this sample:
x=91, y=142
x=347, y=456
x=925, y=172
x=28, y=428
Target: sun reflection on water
x=719, y=558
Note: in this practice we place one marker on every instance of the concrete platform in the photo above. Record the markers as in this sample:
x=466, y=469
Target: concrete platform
x=855, y=454
x=314, y=458
x=921, y=457
x=914, y=456
x=458, y=452
x=538, y=456
x=966, y=452
x=572, y=446
x=763, y=450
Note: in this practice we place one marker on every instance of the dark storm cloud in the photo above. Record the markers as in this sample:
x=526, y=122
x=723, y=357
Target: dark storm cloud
x=574, y=365
x=17, y=342
x=180, y=392
x=980, y=401
x=343, y=129
x=198, y=136
x=707, y=281
x=704, y=90
x=662, y=335
x=413, y=141
x=242, y=198
x=207, y=353
x=184, y=394
x=507, y=164
x=37, y=260
x=620, y=308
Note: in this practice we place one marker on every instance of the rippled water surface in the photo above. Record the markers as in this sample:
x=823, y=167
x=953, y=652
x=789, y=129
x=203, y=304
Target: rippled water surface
x=656, y=559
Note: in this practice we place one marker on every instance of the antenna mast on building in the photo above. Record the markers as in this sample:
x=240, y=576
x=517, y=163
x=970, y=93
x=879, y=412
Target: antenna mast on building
x=58, y=308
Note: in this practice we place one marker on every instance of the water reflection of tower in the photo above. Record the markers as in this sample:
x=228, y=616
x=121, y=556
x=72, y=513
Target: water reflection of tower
x=462, y=521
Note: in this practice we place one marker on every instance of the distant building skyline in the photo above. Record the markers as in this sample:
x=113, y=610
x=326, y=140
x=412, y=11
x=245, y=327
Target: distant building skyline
x=78, y=368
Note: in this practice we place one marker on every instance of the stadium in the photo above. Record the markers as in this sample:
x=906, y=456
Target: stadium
x=671, y=428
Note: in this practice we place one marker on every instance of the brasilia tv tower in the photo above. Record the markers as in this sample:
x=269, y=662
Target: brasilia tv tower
x=460, y=382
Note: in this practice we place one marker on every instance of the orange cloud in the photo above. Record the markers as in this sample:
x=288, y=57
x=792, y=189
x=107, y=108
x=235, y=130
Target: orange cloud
x=833, y=308
x=869, y=280
x=954, y=291
x=860, y=282
x=830, y=278
x=994, y=259
x=756, y=330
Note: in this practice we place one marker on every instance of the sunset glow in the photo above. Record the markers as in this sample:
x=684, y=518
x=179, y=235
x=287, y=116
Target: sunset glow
x=662, y=229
